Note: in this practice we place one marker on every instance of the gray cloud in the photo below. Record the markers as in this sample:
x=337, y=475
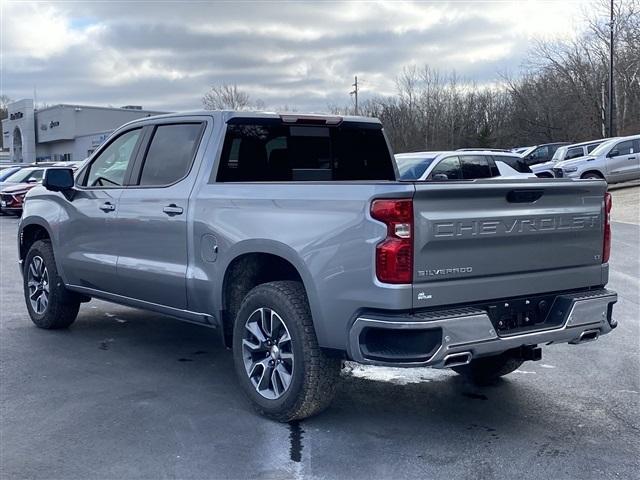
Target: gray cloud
x=165, y=55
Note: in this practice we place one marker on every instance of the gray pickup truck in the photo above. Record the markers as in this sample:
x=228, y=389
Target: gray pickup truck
x=291, y=235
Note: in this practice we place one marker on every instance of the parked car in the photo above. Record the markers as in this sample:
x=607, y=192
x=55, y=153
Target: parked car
x=16, y=186
x=616, y=160
x=466, y=165
x=8, y=171
x=567, y=152
x=292, y=237
x=24, y=175
x=480, y=149
x=541, y=153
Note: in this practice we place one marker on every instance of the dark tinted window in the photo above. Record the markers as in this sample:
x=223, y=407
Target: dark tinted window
x=272, y=151
x=475, y=166
x=539, y=155
x=517, y=163
x=170, y=153
x=450, y=167
x=109, y=167
x=574, y=152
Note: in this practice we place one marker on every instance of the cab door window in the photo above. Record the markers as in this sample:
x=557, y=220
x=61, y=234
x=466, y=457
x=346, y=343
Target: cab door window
x=110, y=166
x=623, y=148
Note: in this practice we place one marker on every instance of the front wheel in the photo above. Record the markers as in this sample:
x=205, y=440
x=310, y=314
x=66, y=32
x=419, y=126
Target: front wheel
x=592, y=176
x=486, y=370
x=50, y=304
x=281, y=368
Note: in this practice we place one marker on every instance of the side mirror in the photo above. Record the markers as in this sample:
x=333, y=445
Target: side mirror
x=32, y=180
x=58, y=179
x=613, y=153
x=439, y=177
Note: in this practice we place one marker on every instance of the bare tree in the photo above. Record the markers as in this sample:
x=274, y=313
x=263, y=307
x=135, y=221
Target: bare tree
x=4, y=113
x=226, y=97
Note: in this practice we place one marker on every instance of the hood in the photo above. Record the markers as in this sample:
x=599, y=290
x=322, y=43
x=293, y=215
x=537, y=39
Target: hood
x=574, y=161
x=18, y=187
x=538, y=167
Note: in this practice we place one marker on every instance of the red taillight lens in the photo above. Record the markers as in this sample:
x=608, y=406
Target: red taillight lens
x=394, y=255
x=606, y=244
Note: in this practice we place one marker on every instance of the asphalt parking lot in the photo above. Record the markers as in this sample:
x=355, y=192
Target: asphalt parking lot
x=128, y=394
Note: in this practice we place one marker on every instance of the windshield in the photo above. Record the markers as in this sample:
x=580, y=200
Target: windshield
x=24, y=174
x=560, y=154
x=7, y=172
x=412, y=168
x=528, y=151
x=603, y=147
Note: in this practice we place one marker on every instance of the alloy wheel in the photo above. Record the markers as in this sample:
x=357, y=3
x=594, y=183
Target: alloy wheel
x=267, y=353
x=38, y=285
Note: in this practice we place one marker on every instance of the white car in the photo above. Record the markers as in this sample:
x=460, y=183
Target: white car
x=616, y=160
x=461, y=165
x=567, y=152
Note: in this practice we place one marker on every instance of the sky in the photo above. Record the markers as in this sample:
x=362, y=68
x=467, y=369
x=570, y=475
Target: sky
x=165, y=55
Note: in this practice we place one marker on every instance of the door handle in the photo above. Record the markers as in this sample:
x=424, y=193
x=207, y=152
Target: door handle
x=107, y=207
x=632, y=158
x=172, y=209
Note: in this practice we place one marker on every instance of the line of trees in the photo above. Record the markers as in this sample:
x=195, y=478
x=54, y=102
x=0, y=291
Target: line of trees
x=562, y=97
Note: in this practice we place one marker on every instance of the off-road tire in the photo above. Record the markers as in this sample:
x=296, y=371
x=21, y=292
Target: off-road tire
x=315, y=375
x=486, y=370
x=63, y=305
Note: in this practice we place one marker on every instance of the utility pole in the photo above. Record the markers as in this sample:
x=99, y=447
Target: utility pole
x=355, y=93
x=611, y=93
x=603, y=112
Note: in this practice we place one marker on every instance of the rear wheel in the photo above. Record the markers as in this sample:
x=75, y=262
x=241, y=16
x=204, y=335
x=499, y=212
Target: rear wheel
x=486, y=370
x=281, y=368
x=50, y=304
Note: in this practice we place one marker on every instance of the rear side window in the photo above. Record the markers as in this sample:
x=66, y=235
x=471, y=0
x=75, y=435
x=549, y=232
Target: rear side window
x=450, y=167
x=574, y=153
x=272, y=151
x=170, y=154
x=475, y=166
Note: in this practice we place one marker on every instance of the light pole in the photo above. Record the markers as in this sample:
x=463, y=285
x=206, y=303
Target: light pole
x=611, y=124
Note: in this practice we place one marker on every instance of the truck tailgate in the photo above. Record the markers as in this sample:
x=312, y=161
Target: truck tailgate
x=497, y=239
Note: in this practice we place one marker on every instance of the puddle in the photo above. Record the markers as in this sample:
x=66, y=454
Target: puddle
x=295, y=440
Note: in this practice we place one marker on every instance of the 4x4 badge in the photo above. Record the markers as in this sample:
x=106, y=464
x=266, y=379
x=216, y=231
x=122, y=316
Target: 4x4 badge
x=424, y=296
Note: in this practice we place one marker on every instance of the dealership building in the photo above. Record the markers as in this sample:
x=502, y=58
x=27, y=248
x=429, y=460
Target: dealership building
x=61, y=132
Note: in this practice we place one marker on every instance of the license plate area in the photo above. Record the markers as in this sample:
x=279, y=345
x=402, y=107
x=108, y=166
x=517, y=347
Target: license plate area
x=515, y=316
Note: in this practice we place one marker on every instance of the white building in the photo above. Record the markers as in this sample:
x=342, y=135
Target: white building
x=61, y=132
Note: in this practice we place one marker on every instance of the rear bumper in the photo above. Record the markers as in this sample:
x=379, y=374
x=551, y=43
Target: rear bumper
x=456, y=336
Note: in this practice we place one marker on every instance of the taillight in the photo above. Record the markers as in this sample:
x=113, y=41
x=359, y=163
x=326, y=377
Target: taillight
x=606, y=244
x=394, y=255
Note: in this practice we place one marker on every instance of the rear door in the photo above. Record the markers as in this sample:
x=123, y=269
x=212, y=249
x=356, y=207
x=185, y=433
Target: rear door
x=152, y=215
x=484, y=240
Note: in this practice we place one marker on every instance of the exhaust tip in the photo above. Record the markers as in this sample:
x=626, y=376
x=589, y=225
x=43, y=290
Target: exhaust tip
x=587, y=336
x=457, y=359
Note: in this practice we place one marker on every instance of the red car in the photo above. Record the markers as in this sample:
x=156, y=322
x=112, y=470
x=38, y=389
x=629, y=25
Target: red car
x=11, y=198
x=15, y=187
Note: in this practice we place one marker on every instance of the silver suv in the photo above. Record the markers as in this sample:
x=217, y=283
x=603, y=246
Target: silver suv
x=616, y=160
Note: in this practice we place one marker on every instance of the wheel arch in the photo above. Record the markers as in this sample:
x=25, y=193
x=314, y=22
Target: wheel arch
x=594, y=171
x=29, y=233
x=253, y=263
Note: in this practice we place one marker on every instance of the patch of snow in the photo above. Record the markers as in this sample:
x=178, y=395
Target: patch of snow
x=400, y=376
